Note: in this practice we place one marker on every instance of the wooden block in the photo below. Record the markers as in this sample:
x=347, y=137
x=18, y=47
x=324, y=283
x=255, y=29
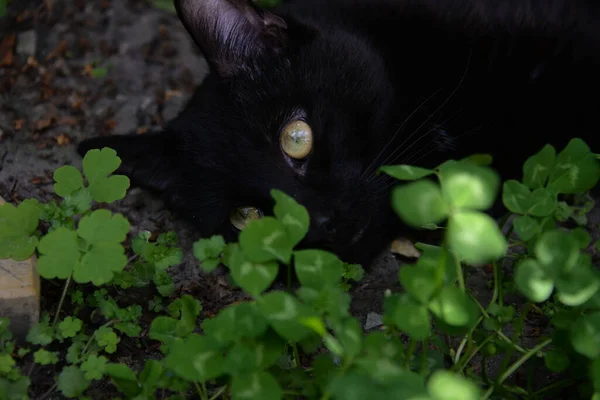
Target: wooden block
x=19, y=294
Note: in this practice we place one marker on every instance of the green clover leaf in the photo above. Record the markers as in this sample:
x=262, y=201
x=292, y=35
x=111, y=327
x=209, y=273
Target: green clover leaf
x=445, y=385
x=254, y=278
x=576, y=169
x=292, y=215
x=454, y=307
x=406, y=172
x=17, y=225
x=465, y=185
x=516, y=196
x=531, y=279
x=475, y=238
x=97, y=166
x=284, y=313
x=419, y=203
x=259, y=385
x=411, y=317
x=537, y=168
x=317, y=268
x=526, y=227
x=266, y=239
x=196, y=358
x=585, y=335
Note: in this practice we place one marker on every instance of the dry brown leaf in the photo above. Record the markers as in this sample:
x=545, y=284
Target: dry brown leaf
x=404, y=247
x=18, y=124
x=42, y=124
x=142, y=129
x=110, y=124
x=67, y=121
x=63, y=139
x=7, y=57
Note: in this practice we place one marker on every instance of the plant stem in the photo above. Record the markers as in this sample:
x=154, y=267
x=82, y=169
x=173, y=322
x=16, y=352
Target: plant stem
x=289, y=278
x=469, y=356
x=48, y=393
x=201, y=392
x=411, y=350
x=218, y=393
x=498, y=331
x=424, y=366
x=296, y=354
x=459, y=273
x=496, y=283
x=516, y=365
x=62, y=299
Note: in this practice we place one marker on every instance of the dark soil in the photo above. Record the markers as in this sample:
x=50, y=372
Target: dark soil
x=73, y=69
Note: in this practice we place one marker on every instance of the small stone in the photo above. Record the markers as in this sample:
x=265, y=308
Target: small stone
x=19, y=294
x=374, y=320
x=27, y=43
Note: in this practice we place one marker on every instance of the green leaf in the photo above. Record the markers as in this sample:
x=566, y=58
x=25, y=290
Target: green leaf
x=97, y=166
x=254, y=278
x=582, y=237
x=454, y=307
x=208, y=251
x=526, y=227
x=260, y=385
x=196, y=358
x=44, y=357
x=557, y=251
x=70, y=326
x=478, y=159
x=543, y=202
x=556, y=360
x=406, y=172
x=532, y=280
x=17, y=225
x=445, y=385
x=68, y=179
x=576, y=169
x=100, y=264
x=470, y=186
x=107, y=339
x=248, y=321
x=94, y=366
x=72, y=382
x=537, y=167
x=59, y=254
x=317, y=268
x=411, y=318
x=123, y=378
x=284, y=313
x=475, y=237
x=419, y=281
x=350, y=335
x=578, y=285
x=266, y=239
x=292, y=215
x=419, y=203
x=585, y=335
x=41, y=333
x=516, y=196
x=101, y=226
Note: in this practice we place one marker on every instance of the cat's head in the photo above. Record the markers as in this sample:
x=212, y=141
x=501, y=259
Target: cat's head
x=287, y=105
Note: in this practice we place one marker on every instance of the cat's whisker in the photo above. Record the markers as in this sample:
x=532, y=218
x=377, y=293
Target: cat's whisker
x=428, y=118
x=374, y=162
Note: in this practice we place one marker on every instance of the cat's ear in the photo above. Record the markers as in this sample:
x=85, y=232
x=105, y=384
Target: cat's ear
x=231, y=33
x=148, y=160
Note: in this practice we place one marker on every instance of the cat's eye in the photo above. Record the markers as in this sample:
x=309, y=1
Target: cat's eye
x=240, y=217
x=296, y=139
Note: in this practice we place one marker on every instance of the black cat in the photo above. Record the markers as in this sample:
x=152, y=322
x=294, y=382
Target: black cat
x=312, y=97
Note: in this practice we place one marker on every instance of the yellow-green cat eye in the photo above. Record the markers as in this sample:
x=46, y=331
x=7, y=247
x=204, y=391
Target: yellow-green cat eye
x=297, y=139
x=240, y=217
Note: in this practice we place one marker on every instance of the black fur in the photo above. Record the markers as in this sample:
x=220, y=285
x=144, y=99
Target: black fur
x=380, y=82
